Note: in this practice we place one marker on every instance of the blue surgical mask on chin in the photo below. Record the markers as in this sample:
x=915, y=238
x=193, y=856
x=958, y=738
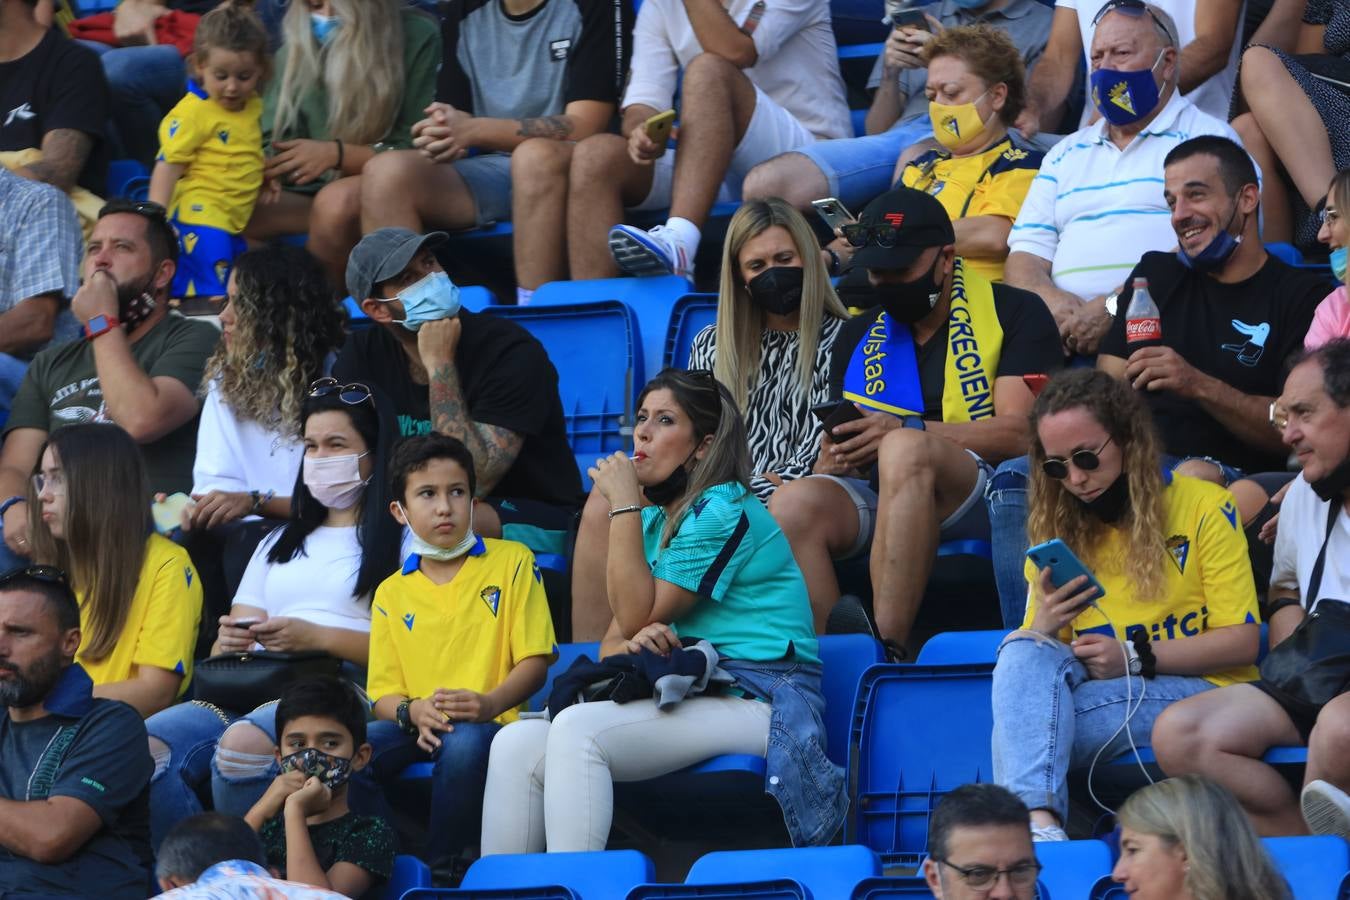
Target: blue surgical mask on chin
x=428, y=299
x=1216, y=253
x=323, y=26
x=1338, y=264
x=1125, y=97
x=428, y=550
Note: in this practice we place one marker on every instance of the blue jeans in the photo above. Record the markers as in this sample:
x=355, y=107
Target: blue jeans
x=191, y=732
x=1006, y=495
x=458, y=775
x=858, y=169
x=1050, y=717
x=145, y=83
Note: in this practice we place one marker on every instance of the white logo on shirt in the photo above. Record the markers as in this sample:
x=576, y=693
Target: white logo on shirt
x=557, y=50
x=24, y=112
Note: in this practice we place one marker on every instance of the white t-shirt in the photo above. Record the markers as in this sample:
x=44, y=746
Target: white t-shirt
x=234, y=454
x=1214, y=95
x=1093, y=209
x=798, y=63
x=1303, y=526
x=316, y=585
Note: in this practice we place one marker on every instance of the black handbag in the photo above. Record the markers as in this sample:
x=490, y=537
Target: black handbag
x=244, y=681
x=1312, y=665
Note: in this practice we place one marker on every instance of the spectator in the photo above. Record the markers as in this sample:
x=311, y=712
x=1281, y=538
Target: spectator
x=353, y=76
x=772, y=280
x=500, y=89
x=137, y=366
x=140, y=598
x=54, y=98
x=210, y=162
x=307, y=588
x=310, y=834
x=1210, y=398
x=1332, y=318
x=1095, y=207
x=1294, y=88
x=743, y=100
x=216, y=857
x=855, y=170
x=705, y=559
x=446, y=672
x=1223, y=735
x=935, y=369
x=44, y=233
x=73, y=823
x=1187, y=839
x=1206, y=34
x=482, y=380
x=979, y=845
x=1176, y=614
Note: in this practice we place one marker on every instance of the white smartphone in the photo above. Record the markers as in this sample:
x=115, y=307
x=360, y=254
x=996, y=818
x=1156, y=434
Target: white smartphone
x=833, y=212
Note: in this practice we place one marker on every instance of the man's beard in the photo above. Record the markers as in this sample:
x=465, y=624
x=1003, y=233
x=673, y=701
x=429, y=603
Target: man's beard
x=25, y=689
x=135, y=301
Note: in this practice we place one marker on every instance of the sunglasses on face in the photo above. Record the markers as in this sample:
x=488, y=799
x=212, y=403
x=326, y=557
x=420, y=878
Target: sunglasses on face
x=1057, y=467
x=350, y=394
x=859, y=234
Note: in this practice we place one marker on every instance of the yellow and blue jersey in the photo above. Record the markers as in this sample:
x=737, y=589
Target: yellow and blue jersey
x=222, y=153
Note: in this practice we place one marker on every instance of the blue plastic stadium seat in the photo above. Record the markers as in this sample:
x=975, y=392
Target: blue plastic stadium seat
x=690, y=315
x=409, y=872
x=591, y=876
x=1072, y=867
x=1314, y=866
x=537, y=892
x=827, y=872
x=884, y=888
x=777, y=889
x=1275, y=756
x=920, y=731
x=128, y=178
x=957, y=647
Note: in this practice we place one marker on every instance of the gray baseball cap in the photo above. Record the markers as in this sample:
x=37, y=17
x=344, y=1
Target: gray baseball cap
x=383, y=254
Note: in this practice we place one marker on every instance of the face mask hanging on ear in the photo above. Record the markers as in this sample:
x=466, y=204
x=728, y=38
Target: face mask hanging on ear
x=428, y=550
x=1217, y=252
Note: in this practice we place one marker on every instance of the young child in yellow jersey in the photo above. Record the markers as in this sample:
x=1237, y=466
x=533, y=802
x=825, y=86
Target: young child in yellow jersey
x=210, y=166
x=459, y=640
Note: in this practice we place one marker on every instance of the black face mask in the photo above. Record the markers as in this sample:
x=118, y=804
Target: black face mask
x=909, y=301
x=1111, y=504
x=672, y=488
x=1334, y=483
x=777, y=290
x=134, y=304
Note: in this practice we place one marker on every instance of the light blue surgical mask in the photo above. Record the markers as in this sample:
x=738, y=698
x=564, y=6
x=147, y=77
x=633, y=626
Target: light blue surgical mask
x=1338, y=264
x=323, y=26
x=429, y=298
x=428, y=550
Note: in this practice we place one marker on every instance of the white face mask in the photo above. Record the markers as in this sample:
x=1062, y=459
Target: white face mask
x=428, y=550
x=335, y=481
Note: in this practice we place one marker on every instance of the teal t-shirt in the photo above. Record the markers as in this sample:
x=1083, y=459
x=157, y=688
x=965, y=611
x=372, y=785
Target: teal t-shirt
x=731, y=552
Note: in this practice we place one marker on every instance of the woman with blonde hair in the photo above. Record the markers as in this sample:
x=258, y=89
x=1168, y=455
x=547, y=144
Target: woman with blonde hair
x=351, y=78
x=1187, y=838
x=1090, y=670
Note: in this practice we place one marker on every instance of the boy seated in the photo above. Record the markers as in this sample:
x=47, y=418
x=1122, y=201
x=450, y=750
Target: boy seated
x=308, y=831
x=459, y=640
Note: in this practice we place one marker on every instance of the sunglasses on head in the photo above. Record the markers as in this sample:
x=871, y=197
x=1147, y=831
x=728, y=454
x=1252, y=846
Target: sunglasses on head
x=350, y=394
x=48, y=574
x=147, y=208
x=1057, y=467
x=1134, y=8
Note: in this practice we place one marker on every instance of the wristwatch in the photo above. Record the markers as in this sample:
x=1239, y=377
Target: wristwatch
x=99, y=325
x=403, y=717
x=1136, y=665
x=913, y=422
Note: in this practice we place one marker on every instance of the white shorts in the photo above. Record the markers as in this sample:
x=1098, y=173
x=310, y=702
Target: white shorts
x=773, y=130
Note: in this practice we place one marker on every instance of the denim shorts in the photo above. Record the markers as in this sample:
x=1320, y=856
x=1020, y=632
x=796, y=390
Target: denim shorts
x=858, y=169
x=488, y=176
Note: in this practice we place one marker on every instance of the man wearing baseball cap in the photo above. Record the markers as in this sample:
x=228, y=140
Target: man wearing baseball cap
x=481, y=379
x=934, y=367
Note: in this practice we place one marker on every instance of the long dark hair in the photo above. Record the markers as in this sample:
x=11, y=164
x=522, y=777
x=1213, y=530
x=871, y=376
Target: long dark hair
x=376, y=531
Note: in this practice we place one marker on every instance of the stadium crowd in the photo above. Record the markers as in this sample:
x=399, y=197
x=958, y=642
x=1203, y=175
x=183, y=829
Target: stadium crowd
x=264, y=550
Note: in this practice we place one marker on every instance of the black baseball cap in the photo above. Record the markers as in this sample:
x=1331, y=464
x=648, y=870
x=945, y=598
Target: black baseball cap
x=383, y=254
x=916, y=222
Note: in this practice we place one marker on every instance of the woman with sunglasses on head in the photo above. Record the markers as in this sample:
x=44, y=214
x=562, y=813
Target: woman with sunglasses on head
x=140, y=599
x=307, y=588
x=1177, y=611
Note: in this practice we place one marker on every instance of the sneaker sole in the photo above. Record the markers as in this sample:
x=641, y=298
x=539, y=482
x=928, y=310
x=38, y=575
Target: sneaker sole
x=637, y=257
x=1324, y=815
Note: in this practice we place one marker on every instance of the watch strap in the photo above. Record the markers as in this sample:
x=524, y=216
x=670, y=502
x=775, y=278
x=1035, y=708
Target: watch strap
x=100, y=325
x=17, y=498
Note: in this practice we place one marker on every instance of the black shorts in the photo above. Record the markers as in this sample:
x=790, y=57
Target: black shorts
x=1301, y=713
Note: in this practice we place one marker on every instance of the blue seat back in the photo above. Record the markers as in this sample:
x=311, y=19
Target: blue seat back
x=409, y=872
x=824, y=871
x=1072, y=867
x=919, y=732
x=567, y=654
x=1313, y=865
x=600, y=875
x=843, y=659
x=691, y=314
x=777, y=889
x=534, y=892
x=128, y=178
x=956, y=647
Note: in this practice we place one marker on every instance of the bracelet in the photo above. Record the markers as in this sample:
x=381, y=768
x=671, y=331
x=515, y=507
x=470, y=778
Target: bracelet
x=1148, y=663
x=340, y=155
x=259, y=499
x=624, y=509
x=17, y=498
x=1270, y=608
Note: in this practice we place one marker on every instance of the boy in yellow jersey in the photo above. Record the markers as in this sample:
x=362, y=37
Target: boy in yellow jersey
x=459, y=640
x=210, y=165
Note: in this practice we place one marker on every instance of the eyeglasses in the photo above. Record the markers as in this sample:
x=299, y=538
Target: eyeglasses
x=350, y=394
x=1057, y=467
x=1134, y=8
x=1278, y=415
x=860, y=235
x=48, y=574
x=56, y=483
x=983, y=878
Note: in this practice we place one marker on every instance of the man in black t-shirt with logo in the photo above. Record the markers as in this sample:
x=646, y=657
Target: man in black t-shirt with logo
x=478, y=378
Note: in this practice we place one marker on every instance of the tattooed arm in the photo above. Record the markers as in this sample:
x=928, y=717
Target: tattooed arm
x=64, y=153
x=580, y=119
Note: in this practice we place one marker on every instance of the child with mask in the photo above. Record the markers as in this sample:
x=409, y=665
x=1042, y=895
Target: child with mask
x=307, y=829
x=460, y=637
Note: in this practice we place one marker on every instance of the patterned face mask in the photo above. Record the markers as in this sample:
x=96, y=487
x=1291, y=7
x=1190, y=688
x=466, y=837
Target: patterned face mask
x=333, y=771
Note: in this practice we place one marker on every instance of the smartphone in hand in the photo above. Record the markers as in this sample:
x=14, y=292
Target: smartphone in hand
x=835, y=414
x=658, y=127
x=1064, y=566
x=833, y=212
x=168, y=513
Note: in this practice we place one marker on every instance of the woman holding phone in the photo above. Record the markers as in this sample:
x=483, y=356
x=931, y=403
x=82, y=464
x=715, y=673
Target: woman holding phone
x=1176, y=615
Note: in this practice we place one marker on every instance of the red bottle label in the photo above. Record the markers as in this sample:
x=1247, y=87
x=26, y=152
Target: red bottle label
x=1143, y=330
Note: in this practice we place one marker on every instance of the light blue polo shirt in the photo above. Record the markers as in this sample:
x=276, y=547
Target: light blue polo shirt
x=732, y=553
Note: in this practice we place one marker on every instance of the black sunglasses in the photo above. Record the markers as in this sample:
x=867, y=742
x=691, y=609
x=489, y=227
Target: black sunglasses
x=350, y=394
x=859, y=234
x=1057, y=467
x=1134, y=8
x=47, y=574
x=147, y=208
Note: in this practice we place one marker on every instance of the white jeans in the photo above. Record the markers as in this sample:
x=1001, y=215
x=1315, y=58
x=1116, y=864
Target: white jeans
x=589, y=747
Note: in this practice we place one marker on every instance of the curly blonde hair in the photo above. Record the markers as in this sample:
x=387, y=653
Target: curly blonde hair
x=1054, y=512
x=991, y=57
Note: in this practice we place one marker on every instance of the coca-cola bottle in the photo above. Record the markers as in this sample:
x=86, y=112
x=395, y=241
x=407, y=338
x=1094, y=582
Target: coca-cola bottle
x=1143, y=325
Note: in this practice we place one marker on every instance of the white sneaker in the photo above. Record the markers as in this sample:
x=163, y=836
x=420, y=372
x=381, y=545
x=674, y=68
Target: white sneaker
x=1326, y=809
x=1048, y=833
x=656, y=252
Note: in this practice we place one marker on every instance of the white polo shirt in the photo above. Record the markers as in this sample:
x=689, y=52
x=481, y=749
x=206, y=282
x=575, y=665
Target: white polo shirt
x=1303, y=527
x=1094, y=209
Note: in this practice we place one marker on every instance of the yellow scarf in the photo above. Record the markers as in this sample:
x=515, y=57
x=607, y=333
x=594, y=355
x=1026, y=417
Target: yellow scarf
x=974, y=343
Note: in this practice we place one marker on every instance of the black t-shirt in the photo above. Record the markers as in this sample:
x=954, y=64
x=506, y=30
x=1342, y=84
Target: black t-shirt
x=57, y=84
x=1241, y=334
x=367, y=842
x=1031, y=346
x=507, y=380
x=108, y=768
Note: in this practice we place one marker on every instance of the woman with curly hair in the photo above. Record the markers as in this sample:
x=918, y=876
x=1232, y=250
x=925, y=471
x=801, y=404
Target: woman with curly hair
x=1088, y=673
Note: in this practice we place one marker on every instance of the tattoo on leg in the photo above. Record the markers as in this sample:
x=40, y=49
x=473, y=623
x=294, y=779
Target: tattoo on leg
x=557, y=128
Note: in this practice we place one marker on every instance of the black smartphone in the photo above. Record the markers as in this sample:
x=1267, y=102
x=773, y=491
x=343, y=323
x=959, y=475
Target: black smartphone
x=832, y=415
x=910, y=18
